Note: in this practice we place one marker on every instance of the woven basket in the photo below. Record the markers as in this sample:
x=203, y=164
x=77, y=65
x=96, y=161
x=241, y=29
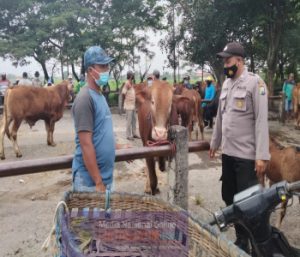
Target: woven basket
x=138, y=226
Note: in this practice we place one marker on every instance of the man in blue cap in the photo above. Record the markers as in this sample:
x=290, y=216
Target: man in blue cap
x=94, y=156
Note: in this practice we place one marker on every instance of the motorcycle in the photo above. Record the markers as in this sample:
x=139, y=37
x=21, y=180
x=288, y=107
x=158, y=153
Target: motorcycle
x=252, y=209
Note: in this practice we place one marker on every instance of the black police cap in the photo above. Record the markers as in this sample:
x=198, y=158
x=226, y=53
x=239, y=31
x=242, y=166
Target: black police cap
x=232, y=49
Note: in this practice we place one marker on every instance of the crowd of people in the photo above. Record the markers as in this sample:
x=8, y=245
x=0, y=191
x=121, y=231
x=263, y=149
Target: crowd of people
x=36, y=81
x=240, y=129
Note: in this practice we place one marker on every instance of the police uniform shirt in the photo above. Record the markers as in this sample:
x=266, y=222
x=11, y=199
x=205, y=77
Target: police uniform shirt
x=242, y=120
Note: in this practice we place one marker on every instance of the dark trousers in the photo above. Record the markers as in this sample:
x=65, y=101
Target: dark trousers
x=1, y=99
x=208, y=117
x=237, y=175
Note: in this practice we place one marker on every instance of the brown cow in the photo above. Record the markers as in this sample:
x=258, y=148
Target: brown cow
x=196, y=111
x=296, y=105
x=155, y=108
x=32, y=104
x=183, y=108
x=284, y=165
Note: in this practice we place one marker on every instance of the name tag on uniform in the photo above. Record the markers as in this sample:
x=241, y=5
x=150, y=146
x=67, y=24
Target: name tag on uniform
x=240, y=103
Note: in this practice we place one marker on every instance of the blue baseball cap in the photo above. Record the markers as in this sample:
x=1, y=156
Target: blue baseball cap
x=96, y=55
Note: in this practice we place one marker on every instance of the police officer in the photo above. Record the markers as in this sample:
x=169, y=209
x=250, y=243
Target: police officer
x=241, y=129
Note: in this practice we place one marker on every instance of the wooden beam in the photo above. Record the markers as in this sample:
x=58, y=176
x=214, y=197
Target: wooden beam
x=65, y=162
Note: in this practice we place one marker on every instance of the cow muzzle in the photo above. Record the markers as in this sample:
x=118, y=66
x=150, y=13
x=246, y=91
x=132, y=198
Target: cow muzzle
x=159, y=134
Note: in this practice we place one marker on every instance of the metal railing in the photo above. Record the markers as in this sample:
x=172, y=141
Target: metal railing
x=64, y=162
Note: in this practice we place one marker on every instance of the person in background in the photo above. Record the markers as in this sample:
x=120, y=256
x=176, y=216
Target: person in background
x=71, y=83
x=25, y=81
x=241, y=129
x=149, y=80
x=106, y=92
x=210, y=92
x=49, y=83
x=212, y=107
x=287, y=89
x=80, y=84
x=94, y=158
x=17, y=81
x=128, y=93
x=4, y=85
x=200, y=89
x=186, y=82
x=156, y=75
x=36, y=80
x=70, y=79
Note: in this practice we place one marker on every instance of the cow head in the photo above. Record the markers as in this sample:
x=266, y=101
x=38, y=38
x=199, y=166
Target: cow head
x=157, y=101
x=63, y=91
x=178, y=88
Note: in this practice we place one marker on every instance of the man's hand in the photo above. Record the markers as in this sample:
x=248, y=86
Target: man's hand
x=100, y=187
x=212, y=153
x=260, y=166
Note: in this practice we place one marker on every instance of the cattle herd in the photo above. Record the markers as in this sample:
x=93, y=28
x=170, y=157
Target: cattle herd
x=158, y=107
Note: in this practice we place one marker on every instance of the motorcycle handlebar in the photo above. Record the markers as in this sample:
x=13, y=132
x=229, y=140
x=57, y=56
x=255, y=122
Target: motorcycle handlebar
x=291, y=187
x=227, y=215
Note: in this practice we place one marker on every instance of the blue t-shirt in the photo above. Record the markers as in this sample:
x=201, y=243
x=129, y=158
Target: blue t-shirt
x=288, y=89
x=210, y=92
x=91, y=113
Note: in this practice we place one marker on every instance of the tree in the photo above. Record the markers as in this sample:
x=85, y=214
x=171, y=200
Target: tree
x=279, y=14
x=24, y=33
x=259, y=25
x=45, y=29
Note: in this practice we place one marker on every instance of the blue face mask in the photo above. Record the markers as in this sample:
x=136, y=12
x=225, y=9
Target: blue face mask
x=103, y=79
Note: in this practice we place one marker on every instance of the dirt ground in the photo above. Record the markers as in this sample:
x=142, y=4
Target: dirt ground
x=27, y=203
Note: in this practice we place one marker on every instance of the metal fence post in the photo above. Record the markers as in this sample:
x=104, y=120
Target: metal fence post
x=178, y=173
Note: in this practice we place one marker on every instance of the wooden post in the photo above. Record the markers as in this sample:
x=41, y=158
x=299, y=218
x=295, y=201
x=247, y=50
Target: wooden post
x=282, y=114
x=178, y=173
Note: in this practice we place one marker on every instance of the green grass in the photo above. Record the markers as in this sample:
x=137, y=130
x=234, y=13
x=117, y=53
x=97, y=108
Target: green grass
x=113, y=84
x=113, y=99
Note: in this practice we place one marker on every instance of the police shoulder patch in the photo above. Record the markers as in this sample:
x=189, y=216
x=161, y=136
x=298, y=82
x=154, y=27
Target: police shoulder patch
x=261, y=87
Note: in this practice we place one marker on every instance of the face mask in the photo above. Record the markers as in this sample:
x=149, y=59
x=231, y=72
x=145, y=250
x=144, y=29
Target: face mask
x=103, y=79
x=230, y=71
x=149, y=82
